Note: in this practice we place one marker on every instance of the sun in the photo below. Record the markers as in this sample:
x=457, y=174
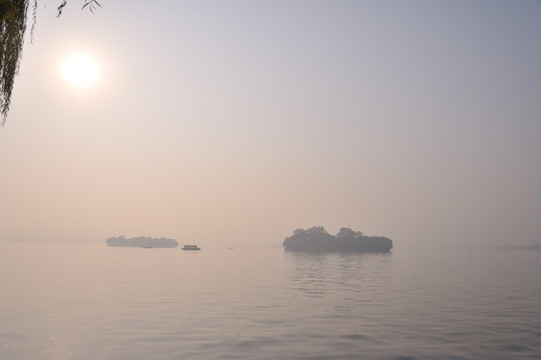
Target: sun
x=80, y=70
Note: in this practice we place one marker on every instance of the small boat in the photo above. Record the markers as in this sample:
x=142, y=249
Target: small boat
x=191, y=247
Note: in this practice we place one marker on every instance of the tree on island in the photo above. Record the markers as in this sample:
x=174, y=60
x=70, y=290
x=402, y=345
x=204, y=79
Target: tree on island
x=318, y=239
x=13, y=14
x=142, y=241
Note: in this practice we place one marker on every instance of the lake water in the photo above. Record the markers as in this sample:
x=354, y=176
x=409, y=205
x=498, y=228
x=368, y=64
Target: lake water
x=89, y=301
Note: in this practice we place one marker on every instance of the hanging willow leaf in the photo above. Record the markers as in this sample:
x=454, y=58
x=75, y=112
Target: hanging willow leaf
x=60, y=8
x=91, y=5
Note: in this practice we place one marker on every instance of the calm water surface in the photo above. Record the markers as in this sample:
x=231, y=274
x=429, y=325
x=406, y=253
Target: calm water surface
x=72, y=301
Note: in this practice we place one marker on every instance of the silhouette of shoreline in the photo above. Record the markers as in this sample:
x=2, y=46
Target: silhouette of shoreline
x=532, y=247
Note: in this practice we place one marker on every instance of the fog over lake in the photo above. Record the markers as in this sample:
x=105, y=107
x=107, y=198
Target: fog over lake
x=70, y=301
x=360, y=179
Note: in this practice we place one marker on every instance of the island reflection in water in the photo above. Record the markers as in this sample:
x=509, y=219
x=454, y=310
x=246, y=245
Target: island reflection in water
x=357, y=277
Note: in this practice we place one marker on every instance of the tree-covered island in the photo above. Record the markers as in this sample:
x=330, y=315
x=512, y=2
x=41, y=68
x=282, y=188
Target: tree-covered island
x=142, y=241
x=318, y=239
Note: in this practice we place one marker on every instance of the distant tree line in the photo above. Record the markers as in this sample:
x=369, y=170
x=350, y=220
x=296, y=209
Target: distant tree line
x=317, y=238
x=141, y=241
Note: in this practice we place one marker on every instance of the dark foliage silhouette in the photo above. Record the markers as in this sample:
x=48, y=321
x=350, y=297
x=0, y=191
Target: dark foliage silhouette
x=142, y=241
x=318, y=239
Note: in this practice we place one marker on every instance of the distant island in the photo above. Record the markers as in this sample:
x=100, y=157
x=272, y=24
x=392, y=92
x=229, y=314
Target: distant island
x=318, y=239
x=532, y=247
x=142, y=241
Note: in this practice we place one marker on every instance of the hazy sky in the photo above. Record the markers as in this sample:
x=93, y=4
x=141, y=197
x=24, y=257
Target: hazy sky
x=235, y=122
